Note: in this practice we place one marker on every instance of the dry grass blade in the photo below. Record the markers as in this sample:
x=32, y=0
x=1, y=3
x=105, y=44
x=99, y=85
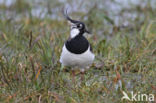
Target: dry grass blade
x=38, y=72
x=32, y=66
x=30, y=41
x=36, y=40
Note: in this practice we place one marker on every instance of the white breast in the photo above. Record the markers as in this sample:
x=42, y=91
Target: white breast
x=77, y=60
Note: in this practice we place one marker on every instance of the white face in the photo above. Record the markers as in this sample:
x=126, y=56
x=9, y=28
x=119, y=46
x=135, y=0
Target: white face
x=74, y=32
x=75, y=29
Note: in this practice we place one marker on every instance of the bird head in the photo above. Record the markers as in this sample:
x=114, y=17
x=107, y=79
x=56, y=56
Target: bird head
x=76, y=26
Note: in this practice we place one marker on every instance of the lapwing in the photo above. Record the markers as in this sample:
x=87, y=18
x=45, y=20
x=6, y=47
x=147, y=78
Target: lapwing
x=77, y=51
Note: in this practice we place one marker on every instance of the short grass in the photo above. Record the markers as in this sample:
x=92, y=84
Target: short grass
x=30, y=71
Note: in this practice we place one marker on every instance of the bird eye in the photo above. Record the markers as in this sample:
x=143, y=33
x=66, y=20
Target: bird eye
x=79, y=26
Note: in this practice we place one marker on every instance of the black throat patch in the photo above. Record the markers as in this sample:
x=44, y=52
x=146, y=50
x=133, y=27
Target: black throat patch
x=77, y=45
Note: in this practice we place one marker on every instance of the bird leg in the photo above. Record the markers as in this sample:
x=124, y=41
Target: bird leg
x=82, y=72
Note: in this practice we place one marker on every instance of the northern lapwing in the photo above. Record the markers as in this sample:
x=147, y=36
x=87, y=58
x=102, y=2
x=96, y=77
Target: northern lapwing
x=77, y=51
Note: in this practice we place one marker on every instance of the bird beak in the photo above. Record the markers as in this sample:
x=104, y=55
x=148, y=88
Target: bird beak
x=87, y=31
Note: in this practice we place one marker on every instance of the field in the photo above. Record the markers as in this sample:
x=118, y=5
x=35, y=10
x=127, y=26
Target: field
x=30, y=48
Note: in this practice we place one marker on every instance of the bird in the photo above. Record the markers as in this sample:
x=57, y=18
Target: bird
x=77, y=51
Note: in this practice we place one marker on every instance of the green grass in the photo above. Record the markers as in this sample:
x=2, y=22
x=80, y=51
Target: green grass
x=30, y=70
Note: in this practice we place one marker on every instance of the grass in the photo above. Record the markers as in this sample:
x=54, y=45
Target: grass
x=30, y=70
